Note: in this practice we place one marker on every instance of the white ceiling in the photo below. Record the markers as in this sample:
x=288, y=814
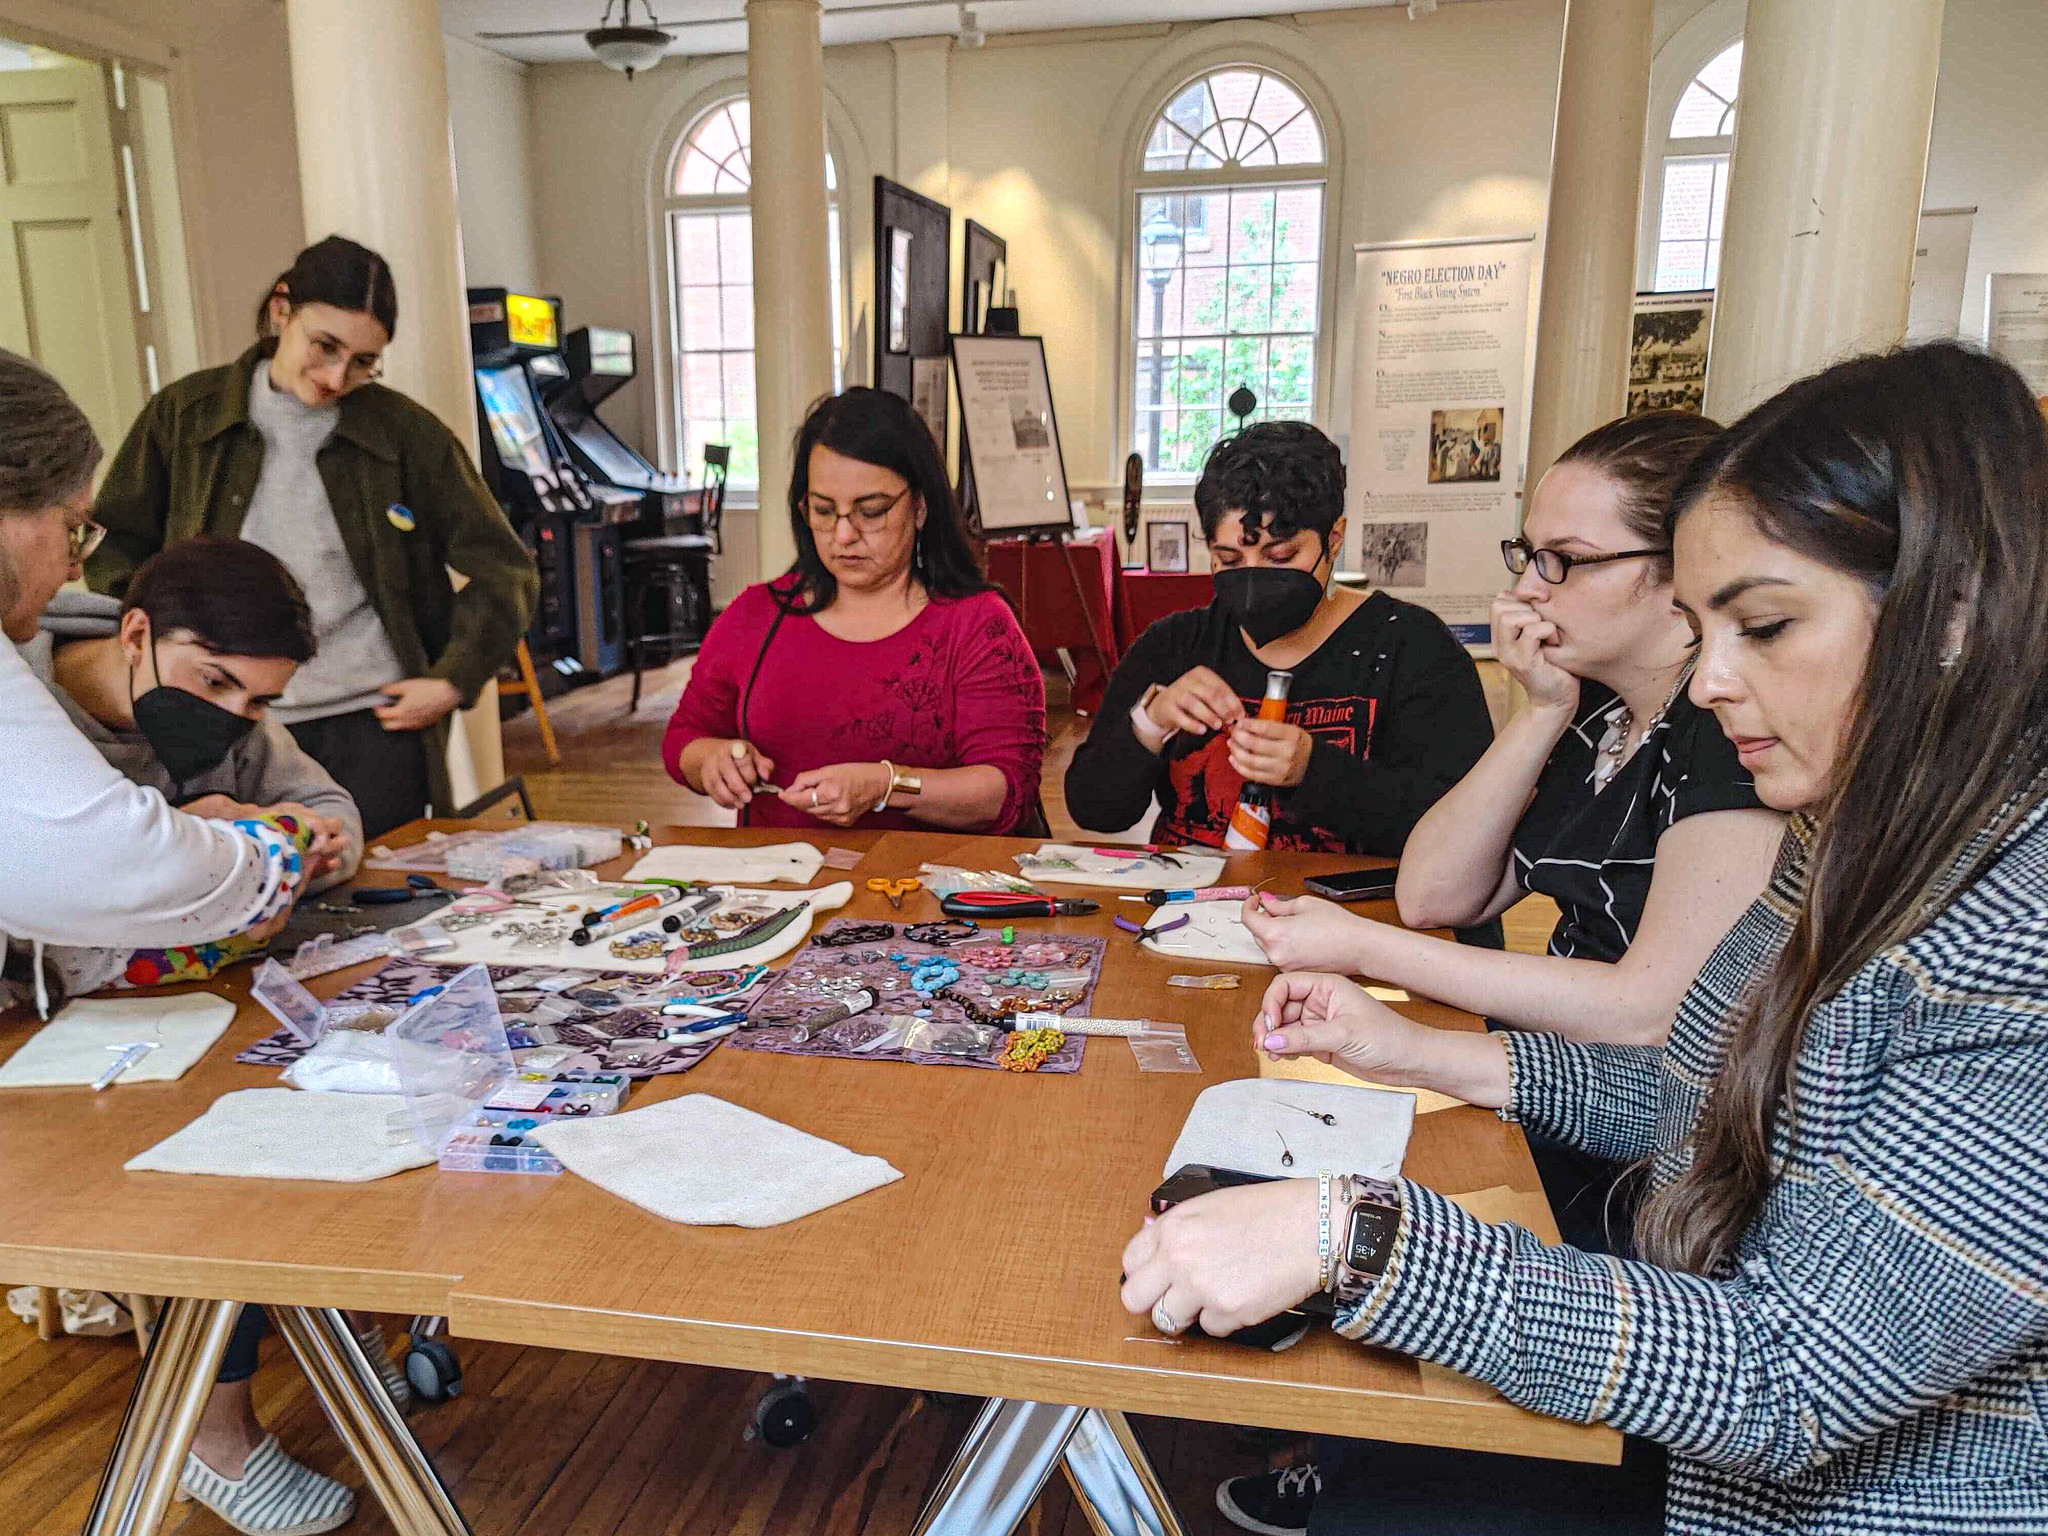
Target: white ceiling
x=551, y=31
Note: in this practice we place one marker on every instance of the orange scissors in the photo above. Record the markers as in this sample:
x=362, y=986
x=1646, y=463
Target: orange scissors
x=895, y=890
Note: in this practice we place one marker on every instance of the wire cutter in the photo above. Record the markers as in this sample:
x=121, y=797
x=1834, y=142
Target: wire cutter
x=415, y=887
x=895, y=890
x=1000, y=904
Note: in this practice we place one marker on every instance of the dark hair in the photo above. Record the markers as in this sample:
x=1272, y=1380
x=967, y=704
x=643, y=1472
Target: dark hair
x=1284, y=476
x=1645, y=457
x=1923, y=473
x=335, y=271
x=879, y=428
x=233, y=597
x=48, y=450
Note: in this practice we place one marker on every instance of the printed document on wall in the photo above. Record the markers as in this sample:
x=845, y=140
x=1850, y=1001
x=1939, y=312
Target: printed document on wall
x=1437, y=422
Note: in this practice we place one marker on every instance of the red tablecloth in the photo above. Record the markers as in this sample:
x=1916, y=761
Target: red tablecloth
x=1051, y=610
x=1149, y=596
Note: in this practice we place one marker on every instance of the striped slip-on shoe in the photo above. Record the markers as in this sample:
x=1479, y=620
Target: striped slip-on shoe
x=388, y=1370
x=274, y=1496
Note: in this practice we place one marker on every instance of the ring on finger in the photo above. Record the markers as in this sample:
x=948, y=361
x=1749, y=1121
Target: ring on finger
x=1164, y=1321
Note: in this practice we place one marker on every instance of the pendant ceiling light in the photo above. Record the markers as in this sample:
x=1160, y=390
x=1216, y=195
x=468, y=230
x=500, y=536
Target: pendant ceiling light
x=625, y=46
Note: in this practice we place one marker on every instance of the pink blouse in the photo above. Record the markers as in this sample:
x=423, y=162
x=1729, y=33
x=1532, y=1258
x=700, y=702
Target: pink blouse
x=956, y=687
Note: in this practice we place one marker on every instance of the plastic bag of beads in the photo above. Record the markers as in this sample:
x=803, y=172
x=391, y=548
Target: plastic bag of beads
x=940, y=1037
x=1164, y=1048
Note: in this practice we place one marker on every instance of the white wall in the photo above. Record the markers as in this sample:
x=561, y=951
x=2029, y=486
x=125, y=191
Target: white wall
x=1444, y=128
x=490, y=110
x=1990, y=143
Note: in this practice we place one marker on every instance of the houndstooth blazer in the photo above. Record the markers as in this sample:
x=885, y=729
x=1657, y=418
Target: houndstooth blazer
x=1875, y=1359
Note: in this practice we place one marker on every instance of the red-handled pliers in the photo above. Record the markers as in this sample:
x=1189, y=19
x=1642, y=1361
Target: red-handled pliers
x=1013, y=904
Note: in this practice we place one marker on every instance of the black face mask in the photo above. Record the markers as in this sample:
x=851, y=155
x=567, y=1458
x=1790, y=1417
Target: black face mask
x=190, y=735
x=1268, y=601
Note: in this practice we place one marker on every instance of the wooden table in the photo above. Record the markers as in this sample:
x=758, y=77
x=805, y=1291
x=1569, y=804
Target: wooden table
x=989, y=1268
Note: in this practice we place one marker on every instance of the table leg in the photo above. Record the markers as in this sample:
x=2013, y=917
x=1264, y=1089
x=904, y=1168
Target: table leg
x=1113, y=1481
x=1002, y=1465
x=163, y=1411
x=374, y=1431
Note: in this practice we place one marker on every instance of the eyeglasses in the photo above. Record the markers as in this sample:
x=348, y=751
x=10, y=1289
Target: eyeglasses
x=83, y=540
x=1553, y=565
x=327, y=352
x=823, y=516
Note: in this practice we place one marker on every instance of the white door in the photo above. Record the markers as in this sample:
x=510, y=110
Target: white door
x=64, y=297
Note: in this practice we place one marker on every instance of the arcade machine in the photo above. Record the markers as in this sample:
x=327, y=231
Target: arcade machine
x=572, y=525
x=600, y=364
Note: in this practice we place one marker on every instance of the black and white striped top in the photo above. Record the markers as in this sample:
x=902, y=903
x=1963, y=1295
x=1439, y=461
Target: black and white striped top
x=1593, y=853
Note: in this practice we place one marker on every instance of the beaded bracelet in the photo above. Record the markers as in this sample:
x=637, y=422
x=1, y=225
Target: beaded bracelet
x=1323, y=1230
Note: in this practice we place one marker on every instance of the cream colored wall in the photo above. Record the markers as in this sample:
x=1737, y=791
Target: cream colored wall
x=231, y=104
x=1444, y=126
x=490, y=111
x=1990, y=144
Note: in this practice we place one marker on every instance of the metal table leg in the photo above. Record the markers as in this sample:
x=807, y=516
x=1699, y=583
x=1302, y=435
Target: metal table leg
x=1001, y=1467
x=163, y=1411
x=374, y=1431
x=1113, y=1481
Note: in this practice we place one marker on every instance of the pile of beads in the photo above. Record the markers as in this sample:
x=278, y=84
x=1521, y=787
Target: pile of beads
x=1029, y=1049
x=1017, y=976
x=930, y=974
x=644, y=945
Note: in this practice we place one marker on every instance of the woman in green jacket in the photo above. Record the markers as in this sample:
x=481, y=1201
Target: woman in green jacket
x=368, y=500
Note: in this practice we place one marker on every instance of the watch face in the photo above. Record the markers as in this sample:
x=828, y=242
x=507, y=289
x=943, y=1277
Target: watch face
x=1371, y=1238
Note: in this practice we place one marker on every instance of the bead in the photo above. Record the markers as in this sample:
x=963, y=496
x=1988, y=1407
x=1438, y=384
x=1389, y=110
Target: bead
x=1009, y=934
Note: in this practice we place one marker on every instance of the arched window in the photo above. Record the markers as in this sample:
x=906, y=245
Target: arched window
x=711, y=293
x=1693, y=199
x=1228, y=262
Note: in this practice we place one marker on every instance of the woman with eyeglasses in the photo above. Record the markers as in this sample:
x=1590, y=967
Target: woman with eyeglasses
x=366, y=498
x=881, y=681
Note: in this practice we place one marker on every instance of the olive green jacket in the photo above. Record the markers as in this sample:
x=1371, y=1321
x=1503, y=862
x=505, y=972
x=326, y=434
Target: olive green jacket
x=189, y=467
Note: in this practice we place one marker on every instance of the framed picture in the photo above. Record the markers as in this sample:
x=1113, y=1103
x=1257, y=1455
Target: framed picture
x=1010, y=437
x=899, y=290
x=1166, y=545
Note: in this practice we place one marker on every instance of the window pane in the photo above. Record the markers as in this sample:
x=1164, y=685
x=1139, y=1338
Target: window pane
x=735, y=248
x=1233, y=90
x=1300, y=142
x=716, y=136
x=698, y=172
x=738, y=306
x=1688, y=199
x=1290, y=384
x=696, y=249
x=1294, y=296
x=1251, y=227
x=1724, y=74
x=1699, y=113
x=1298, y=224
x=739, y=386
x=1251, y=300
x=1202, y=308
x=701, y=326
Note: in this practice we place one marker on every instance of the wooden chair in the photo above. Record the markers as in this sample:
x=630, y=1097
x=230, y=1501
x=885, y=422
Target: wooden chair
x=525, y=685
x=50, y=1316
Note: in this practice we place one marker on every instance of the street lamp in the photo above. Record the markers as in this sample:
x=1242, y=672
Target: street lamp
x=1160, y=249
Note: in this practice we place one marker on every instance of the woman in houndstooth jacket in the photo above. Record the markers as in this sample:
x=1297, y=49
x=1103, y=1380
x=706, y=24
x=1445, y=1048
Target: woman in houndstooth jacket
x=1840, y=1323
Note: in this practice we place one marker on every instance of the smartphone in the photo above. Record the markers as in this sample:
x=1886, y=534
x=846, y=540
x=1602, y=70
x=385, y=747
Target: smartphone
x=1279, y=1331
x=1355, y=884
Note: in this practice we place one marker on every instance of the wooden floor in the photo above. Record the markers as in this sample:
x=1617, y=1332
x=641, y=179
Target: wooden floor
x=548, y=1443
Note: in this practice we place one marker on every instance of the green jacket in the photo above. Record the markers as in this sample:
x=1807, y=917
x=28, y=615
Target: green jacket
x=189, y=467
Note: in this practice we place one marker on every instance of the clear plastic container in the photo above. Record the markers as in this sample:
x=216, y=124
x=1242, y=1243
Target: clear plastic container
x=452, y=1056
x=530, y=849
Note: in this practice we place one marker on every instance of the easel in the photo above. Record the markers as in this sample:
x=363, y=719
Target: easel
x=1062, y=540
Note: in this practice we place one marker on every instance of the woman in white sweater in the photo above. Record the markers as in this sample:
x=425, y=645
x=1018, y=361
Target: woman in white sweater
x=86, y=856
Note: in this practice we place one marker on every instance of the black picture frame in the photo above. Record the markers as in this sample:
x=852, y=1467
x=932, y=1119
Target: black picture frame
x=1163, y=563
x=1041, y=515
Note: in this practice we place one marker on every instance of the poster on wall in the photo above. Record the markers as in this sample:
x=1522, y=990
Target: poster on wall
x=1667, y=353
x=1437, y=419
x=1941, y=259
x=1009, y=434
x=2016, y=324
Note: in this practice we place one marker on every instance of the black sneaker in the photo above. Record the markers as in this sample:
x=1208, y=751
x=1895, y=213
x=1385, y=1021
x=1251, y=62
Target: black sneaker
x=1271, y=1503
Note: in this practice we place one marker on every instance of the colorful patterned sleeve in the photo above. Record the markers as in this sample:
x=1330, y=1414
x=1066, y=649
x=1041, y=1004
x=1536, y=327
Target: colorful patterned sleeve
x=282, y=841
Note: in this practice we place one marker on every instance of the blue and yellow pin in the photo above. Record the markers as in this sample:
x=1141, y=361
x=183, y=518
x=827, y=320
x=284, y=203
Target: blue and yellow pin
x=400, y=517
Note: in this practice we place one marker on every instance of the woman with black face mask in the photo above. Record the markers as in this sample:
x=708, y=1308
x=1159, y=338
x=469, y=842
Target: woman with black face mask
x=1385, y=712
x=173, y=686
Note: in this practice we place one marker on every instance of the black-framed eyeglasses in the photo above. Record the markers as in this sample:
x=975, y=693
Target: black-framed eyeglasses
x=361, y=369
x=1553, y=565
x=823, y=516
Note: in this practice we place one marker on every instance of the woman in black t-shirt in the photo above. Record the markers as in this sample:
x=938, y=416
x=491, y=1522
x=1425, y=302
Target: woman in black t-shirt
x=1611, y=792
x=1385, y=714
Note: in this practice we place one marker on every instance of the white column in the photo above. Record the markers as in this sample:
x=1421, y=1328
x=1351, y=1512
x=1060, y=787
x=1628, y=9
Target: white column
x=792, y=305
x=1835, y=109
x=1589, y=245
x=370, y=98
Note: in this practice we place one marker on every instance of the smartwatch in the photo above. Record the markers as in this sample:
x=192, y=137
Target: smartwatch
x=1372, y=1222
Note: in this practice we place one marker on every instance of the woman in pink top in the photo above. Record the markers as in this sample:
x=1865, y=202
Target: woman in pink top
x=882, y=681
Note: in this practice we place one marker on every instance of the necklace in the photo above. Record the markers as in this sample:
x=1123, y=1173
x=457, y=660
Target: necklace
x=1613, y=749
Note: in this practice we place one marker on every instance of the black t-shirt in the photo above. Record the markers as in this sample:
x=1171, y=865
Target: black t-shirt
x=1593, y=854
x=1391, y=699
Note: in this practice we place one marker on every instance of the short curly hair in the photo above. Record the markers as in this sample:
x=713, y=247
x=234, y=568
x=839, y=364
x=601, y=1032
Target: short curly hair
x=1286, y=477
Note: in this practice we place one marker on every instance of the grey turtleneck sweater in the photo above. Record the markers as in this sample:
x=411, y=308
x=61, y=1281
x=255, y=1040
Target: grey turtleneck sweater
x=290, y=516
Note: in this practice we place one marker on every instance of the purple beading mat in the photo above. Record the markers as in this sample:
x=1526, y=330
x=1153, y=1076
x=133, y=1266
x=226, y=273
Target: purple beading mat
x=793, y=992
x=605, y=1038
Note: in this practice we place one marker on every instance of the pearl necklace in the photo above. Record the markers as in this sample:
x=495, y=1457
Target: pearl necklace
x=1611, y=753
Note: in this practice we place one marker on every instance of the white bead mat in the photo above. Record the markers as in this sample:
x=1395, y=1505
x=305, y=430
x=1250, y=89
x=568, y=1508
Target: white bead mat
x=1249, y=1124
x=790, y=863
x=277, y=1133
x=76, y=1046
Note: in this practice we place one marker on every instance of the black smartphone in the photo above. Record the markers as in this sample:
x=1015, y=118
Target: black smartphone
x=1355, y=884
x=1275, y=1333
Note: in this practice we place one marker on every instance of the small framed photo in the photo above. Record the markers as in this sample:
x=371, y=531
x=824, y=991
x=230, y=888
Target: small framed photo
x=1166, y=545
x=899, y=290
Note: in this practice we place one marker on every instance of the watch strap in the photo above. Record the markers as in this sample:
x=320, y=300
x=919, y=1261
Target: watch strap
x=1369, y=1221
